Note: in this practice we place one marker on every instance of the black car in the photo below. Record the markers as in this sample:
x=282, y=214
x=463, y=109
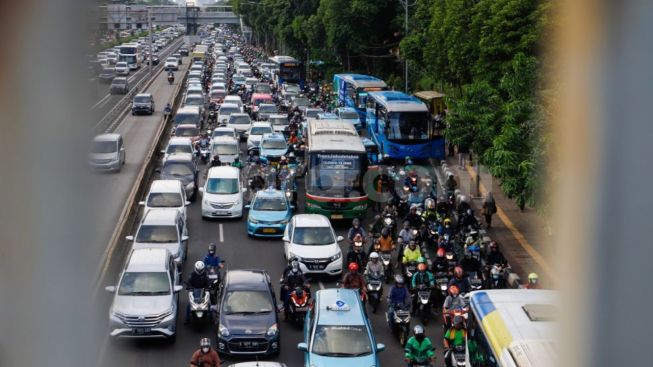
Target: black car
x=183, y=51
x=143, y=103
x=248, y=315
x=155, y=60
x=107, y=74
x=119, y=85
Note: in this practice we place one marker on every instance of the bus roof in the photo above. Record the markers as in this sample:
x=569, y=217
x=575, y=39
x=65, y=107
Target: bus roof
x=361, y=80
x=519, y=324
x=395, y=101
x=333, y=135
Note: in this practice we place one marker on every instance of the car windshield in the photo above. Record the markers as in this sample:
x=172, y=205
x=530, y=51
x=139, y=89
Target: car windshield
x=144, y=284
x=179, y=148
x=301, y=102
x=120, y=82
x=268, y=109
x=157, y=234
x=224, y=186
x=263, y=88
x=228, y=110
x=225, y=149
x=341, y=341
x=104, y=147
x=186, y=118
x=164, y=200
x=274, y=144
x=171, y=59
x=270, y=204
x=278, y=121
x=349, y=115
x=260, y=130
x=292, y=88
x=246, y=302
x=313, y=236
x=218, y=94
x=177, y=169
x=407, y=126
x=239, y=120
x=194, y=100
x=187, y=131
x=142, y=99
x=312, y=113
x=223, y=133
x=238, y=78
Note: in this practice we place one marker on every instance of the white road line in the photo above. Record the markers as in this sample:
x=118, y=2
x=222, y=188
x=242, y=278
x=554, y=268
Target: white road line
x=321, y=285
x=221, y=233
x=102, y=101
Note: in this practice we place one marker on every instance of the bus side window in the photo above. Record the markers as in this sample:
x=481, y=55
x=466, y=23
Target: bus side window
x=482, y=355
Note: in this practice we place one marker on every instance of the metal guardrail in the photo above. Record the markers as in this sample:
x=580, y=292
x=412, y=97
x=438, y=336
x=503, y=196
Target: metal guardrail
x=110, y=121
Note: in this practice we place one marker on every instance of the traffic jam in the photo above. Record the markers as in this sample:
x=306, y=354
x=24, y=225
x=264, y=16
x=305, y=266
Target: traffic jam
x=310, y=218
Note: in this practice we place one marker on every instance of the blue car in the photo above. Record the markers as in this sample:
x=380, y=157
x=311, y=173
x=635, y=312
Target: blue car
x=337, y=332
x=273, y=146
x=349, y=114
x=269, y=213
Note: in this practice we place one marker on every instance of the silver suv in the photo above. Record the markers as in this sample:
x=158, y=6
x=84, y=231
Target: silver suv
x=146, y=298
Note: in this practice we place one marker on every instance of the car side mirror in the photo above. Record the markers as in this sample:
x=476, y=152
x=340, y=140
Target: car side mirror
x=340, y=238
x=187, y=203
x=380, y=347
x=141, y=203
x=292, y=207
x=178, y=289
x=302, y=347
x=184, y=238
x=163, y=151
x=201, y=190
x=248, y=206
x=110, y=288
x=244, y=189
x=129, y=238
x=285, y=239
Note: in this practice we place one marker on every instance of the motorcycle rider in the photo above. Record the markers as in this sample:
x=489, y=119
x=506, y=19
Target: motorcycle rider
x=450, y=184
x=446, y=228
x=468, y=219
x=355, y=229
x=413, y=218
x=353, y=279
x=377, y=225
x=398, y=295
x=412, y=253
x=356, y=252
x=430, y=215
x=454, y=301
x=373, y=266
x=455, y=336
x=251, y=157
x=212, y=258
x=463, y=205
x=237, y=163
x=283, y=162
x=470, y=264
x=198, y=279
x=167, y=110
x=205, y=356
x=533, y=283
x=459, y=280
x=422, y=276
x=293, y=277
x=440, y=264
x=215, y=162
x=495, y=257
x=385, y=243
x=406, y=234
x=419, y=348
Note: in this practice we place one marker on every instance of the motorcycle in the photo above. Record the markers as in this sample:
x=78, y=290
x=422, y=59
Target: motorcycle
x=455, y=357
x=409, y=270
x=423, y=296
x=386, y=260
x=215, y=279
x=497, y=277
x=205, y=153
x=299, y=303
x=375, y=290
x=400, y=325
x=213, y=117
x=171, y=78
x=199, y=300
x=442, y=283
x=475, y=282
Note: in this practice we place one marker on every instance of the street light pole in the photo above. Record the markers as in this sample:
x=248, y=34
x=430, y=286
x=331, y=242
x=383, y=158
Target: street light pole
x=149, y=30
x=406, y=5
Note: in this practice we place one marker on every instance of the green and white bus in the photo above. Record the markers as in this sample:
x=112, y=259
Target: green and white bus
x=512, y=328
x=336, y=162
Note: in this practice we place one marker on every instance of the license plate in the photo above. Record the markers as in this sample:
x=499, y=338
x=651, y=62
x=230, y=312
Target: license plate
x=337, y=216
x=269, y=230
x=220, y=213
x=300, y=309
x=142, y=331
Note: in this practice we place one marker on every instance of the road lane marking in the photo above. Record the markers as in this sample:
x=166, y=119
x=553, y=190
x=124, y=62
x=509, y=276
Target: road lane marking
x=100, y=102
x=523, y=242
x=221, y=233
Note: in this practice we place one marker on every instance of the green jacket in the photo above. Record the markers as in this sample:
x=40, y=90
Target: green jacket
x=419, y=352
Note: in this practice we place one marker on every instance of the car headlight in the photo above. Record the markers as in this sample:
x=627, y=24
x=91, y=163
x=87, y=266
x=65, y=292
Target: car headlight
x=336, y=256
x=223, y=330
x=252, y=220
x=272, y=330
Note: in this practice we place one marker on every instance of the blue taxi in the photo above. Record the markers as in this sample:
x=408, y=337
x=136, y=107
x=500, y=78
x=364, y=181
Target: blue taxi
x=338, y=333
x=269, y=213
x=273, y=146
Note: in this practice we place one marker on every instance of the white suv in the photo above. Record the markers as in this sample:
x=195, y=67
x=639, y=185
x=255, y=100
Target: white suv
x=163, y=228
x=222, y=195
x=166, y=194
x=310, y=239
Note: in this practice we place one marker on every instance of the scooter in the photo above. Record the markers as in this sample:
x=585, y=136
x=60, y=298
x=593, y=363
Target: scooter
x=409, y=271
x=401, y=323
x=442, y=284
x=205, y=153
x=455, y=357
x=423, y=296
x=171, y=78
x=199, y=300
x=375, y=290
x=299, y=303
x=386, y=260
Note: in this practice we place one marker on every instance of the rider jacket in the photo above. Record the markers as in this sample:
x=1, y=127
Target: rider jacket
x=353, y=281
x=354, y=231
x=440, y=265
x=411, y=255
x=198, y=281
x=422, y=278
x=293, y=280
x=496, y=257
x=386, y=244
x=372, y=267
x=398, y=295
x=212, y=260
x=210, y=359
x=414, y=219
x=419, y=351
x=357, y=257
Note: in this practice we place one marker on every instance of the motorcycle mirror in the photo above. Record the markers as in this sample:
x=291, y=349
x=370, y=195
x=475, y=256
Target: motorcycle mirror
x=129, y=238
x=247, y=206
x=184, y=238
x=201, y=190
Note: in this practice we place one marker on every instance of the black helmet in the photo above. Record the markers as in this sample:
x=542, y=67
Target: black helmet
x=399, y=280
x=385, y=231
x=212, y=248
x=356, y=222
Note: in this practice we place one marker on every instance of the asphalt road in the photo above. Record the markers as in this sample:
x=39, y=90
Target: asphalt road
x=101, y=101
x=138, y=132
x=240, y=252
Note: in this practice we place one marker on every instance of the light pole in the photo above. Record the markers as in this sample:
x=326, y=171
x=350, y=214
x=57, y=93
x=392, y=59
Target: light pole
x=406, y=5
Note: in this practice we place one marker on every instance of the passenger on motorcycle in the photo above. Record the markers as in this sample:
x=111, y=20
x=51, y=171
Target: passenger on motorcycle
x=356, y=229
x=373, y=266
x=459, y=280
x=198, y=279
x=390, y=209
x=398, y=295
x=215, y=162
x=419, y=349
x=237, y=163
x=413, y=218
x=412, y=253
x=292, y=278
x=205, y=356
x=440, y=264
x=353, y=279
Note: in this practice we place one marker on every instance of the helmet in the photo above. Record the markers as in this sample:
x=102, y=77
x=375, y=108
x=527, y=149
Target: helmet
x=356, y=222
x=299, y=291
x=469, y=212
x=205, y=344
x=385, y=231
x=458, y=271
x=421, y=267
x=283, y=158
x=251, y=153
x=406, y=224
x=353, y=267
x=532, y=278
x=494, y=245
x=199, y=267
x=454, y=290
x=447, y=221
x=407, y=159
x=399, y=280
x=374, y=255
x=429, y=203
x=236, y=159
x=418, y=330
x=440, y=252
x=463, y=199
x=421, y=260
x=294, y=265
x=450, y=174
x=212, y=248
x=273, y=170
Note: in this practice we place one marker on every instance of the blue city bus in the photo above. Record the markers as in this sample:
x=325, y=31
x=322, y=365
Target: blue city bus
x=352, y=89
x=288, y=70
x=400, y=125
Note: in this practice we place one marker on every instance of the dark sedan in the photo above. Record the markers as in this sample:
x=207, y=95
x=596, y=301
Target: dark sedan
x=119, y=85
x=248, y=315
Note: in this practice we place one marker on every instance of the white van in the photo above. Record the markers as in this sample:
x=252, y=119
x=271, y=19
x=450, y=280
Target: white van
x=107, y=153
x=166, y=194
x=225, y=147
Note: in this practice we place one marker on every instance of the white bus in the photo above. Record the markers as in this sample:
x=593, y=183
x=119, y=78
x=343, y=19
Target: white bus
x=132, y=54
x=512, y=328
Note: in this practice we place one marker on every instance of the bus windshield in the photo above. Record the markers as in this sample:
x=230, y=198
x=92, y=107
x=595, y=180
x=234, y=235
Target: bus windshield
x=408, y=126
x=290, y=73
x=336, y=175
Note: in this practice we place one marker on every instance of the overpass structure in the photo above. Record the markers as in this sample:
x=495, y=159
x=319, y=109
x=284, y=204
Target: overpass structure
x=122, y=17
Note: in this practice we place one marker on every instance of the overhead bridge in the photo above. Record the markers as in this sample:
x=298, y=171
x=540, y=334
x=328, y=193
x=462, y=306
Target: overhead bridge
x=211, y=17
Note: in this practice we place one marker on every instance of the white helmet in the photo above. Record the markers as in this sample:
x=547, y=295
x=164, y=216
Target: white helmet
x=374, y=255
x=199, y=267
